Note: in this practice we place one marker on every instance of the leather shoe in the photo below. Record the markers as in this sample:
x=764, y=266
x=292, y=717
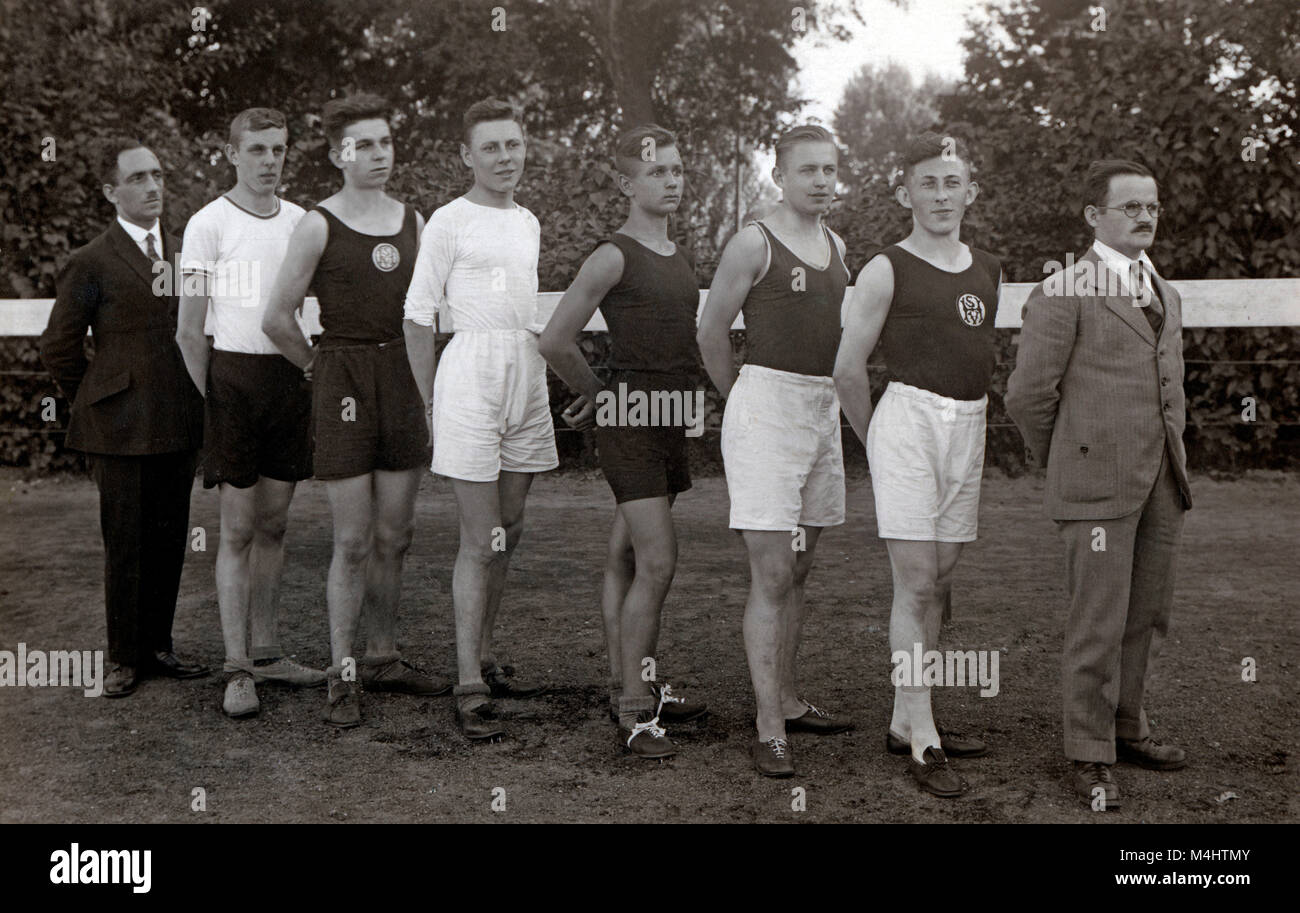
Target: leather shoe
x=1150, y=754
x=165, y=662
x=1090, y=776
x=936, y=775
x=954, y=745
x=503, y=683
x=647, y=739
x=676, y=709
x=818, y=722
x=772, y=757
x=120, y=681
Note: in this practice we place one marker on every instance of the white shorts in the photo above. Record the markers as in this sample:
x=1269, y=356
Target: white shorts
x=926, y=453
x=781, y=451
x=491, y=411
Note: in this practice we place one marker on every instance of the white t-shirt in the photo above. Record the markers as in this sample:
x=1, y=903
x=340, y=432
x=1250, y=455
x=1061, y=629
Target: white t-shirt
x=239, y=252
x=477, y=265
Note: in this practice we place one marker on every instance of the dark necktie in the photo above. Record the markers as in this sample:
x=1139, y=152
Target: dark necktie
x=1147, y=297
x=151, y=249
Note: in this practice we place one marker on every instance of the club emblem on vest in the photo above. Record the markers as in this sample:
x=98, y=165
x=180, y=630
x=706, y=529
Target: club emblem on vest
x=385, y=257
x=971, y=310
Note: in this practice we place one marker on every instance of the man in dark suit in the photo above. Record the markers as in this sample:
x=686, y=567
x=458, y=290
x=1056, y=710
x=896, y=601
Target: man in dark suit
x=135, y=412
x=1097, y=393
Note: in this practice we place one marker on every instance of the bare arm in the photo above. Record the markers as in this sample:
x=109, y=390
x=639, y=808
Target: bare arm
x=867, y=310
x=305, y=248
x=189, y=328
x=559, y=341
x=742, y=263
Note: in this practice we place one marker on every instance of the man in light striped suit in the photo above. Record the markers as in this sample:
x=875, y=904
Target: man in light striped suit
x=1097, y=393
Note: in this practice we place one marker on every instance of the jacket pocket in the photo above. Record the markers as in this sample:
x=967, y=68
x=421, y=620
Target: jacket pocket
x=100, y=389
x=1089, y=471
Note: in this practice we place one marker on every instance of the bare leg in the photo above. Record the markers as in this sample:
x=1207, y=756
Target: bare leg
x=238, y=526
x=791, y=706
x=512, y=492
x=650, y=524
x=771, y=602
x=620, y=566
x=394, y=507
x=352, y=507
x=266, y=563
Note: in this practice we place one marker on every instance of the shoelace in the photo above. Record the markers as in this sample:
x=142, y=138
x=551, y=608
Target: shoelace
x=651, y=726
x=666, y=696
x=815, y=712
x=777, y=746
x=1099, y=773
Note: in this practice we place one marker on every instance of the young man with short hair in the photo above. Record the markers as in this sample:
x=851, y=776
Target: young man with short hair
x=1097, y=393
x=645, y=286
x=356, y=250
x=257, y=433
x=781, y=428
x=490, y=415
x=931, y=301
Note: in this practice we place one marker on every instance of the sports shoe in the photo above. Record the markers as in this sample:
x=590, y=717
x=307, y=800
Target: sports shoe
x=818, y=721
x=674, y=709
x=286, y=671
x=1089, y=776
x=647, y=739
x=936, y=776
x=477, y=716
x=399, y=676
x=1150, y=754
x=503, y=683
x=954, y=745
x=241, y=696
x=342, y=701
x=772, y=757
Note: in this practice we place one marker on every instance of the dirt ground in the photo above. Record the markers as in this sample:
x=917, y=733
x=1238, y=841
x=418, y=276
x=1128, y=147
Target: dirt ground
x=66, y=758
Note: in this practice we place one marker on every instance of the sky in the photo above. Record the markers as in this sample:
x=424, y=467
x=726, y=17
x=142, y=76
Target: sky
x=923, y=37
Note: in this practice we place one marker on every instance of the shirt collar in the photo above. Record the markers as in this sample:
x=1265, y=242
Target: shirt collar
x=1120, y=263
x=137, y=234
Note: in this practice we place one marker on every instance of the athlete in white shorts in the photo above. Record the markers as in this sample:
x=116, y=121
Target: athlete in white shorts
x=931, y=302
x=780, y=430
x=490, y=415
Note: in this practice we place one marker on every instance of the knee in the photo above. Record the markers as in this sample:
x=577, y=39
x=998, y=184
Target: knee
x=237, y=533
x=657, y=569
x=393, y=541
x=774, y=579
x=919, y=592
x=621, y=561
x=271, y=527
x=513, y=528
x=352, y=546
x=802, y=567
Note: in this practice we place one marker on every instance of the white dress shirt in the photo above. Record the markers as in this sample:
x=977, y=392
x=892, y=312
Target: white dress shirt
x=1123, y=266
x=140, y=235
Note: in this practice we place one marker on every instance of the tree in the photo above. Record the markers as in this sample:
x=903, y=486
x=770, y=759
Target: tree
x=880, y=110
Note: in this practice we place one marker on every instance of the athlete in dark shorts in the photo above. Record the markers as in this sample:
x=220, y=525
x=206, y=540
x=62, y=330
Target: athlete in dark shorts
x=781, y=429
x=356, y=249
x=257, y=406
x=931, y=301
x=646, y=289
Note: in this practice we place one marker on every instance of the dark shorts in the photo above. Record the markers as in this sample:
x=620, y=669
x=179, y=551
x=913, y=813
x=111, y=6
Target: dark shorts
x=643, y=461
x=257, y=420
x=366, y=411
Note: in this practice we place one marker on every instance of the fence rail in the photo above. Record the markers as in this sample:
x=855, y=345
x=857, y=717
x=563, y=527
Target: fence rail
x=1206, y=303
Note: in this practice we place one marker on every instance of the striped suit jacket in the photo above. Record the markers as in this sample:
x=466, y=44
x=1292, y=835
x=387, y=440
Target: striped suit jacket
x=1096, y=394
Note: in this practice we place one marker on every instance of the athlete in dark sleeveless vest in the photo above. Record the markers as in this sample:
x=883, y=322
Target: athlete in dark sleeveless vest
x=939, y=334
x=361, y=282
x=793, y=329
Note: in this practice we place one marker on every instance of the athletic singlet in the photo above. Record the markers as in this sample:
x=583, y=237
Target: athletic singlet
x=361, y=282
x=939, y=332
x=792, y=319
x=651, y=311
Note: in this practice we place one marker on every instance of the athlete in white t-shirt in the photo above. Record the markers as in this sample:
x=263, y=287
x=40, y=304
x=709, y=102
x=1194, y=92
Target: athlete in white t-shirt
x=257, y=434
x=490, y=415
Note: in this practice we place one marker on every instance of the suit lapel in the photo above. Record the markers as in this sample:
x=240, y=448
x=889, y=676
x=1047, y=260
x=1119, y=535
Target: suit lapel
x=1122, y=305
x=129, y=252
x=1172, y=302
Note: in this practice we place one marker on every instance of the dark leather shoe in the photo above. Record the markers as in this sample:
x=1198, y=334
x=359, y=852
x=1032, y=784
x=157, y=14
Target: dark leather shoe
x=954, y=745
x=772, y=757
x=1089, y=776
x=503, y=683
x=477, y=717
x=1150, y=754
x=676, y=709
x=120, y=681
x=818, y=722
x=936, y=775
x=165, y=662
x=647, y=739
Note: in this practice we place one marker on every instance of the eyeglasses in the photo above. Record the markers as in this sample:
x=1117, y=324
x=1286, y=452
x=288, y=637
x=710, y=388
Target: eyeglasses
x=1134, y=209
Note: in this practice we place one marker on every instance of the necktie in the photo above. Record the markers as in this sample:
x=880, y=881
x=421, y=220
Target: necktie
x=151, y=249
x=1146, y=296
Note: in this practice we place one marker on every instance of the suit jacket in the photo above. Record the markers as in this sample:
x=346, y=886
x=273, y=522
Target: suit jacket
x=1096, y=395
x=135, y=396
